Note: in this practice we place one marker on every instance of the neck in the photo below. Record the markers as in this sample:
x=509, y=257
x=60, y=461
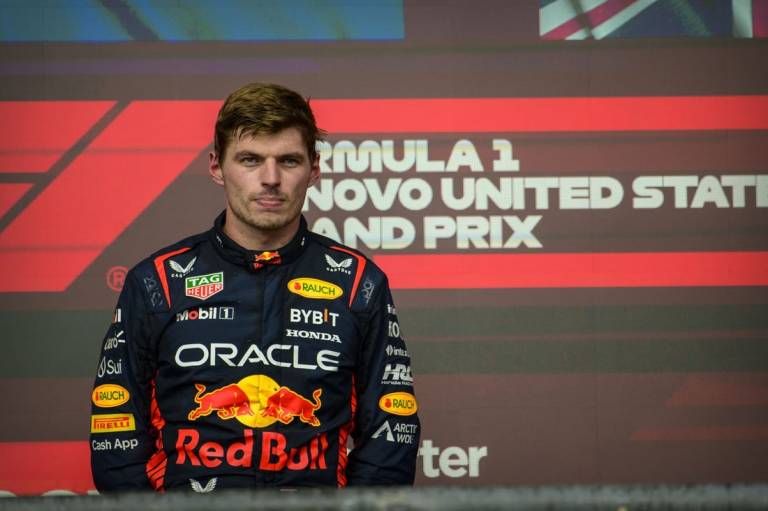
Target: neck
x=252, y=238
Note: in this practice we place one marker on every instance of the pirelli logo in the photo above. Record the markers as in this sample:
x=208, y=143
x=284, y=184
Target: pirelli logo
x=112, y=422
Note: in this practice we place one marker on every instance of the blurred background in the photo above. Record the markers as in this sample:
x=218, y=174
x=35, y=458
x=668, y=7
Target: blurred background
x=569, y=198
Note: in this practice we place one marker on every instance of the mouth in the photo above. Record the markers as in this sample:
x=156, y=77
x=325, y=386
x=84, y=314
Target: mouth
x=269, y=202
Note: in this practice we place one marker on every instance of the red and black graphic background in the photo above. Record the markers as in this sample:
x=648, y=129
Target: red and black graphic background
x=621, y=344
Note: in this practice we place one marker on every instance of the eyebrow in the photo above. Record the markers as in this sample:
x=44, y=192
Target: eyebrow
x=243, y=153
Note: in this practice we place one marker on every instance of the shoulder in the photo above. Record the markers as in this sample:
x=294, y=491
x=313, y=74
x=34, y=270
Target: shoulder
x=150, y=274
x=368, y=279
x=159, y=257
x=339, y=253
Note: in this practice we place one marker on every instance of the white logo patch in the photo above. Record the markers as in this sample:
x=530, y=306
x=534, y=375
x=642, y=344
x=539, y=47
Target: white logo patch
x=114, y=341
x=109, y=367
x=405, y=432
x=397, y=352
x=199, y=488
x=384, y=429
x=342, y=266
x=397, y=374
x=181, y=270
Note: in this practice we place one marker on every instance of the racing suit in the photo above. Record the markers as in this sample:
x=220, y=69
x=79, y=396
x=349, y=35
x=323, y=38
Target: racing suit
x=225, y=367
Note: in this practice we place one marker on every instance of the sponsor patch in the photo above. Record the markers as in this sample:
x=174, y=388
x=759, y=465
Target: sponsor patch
x=180, y=270
x=257, y=401
x=203, y=287
x=343, y=266
x=278, y=355
x=314, y=288
x=114, y=341
x=393, y=330
x=401, y=433
x=112, y=422
x=110, y=395
x=396, y=352
x=110, y=367
x=117, y=444
x=267, y=257
x=313, y=317
x=272, y=452
x=312, y=335
x=155, y=296
x=199, y=488
x=397, y=374
x=398, y=403
x=206, y=313
x=367, y=290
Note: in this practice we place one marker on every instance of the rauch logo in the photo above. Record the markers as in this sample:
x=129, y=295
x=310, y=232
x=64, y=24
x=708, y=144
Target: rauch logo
x=398, y=403
x=110, y=395
x=314, y=288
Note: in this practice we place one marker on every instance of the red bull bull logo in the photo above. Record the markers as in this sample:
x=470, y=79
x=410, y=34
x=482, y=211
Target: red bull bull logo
x=266, y=257
x=285, y=405
x=228, y=401
x=256, y=401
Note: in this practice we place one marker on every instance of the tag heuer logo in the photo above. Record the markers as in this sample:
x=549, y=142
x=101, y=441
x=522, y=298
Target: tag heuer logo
x=204, y=286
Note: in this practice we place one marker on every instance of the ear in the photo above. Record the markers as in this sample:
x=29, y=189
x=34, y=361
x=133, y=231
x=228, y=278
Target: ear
x=214, y=169
x=314, y=171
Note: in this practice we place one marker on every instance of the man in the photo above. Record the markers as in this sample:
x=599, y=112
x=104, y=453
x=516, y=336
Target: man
x=248, y=355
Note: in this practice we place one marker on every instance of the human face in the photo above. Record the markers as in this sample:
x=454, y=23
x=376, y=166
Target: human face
x=265, y=179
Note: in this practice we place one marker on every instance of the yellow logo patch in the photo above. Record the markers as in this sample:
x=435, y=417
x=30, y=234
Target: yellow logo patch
x=399, y=403
x=314, y=288
x=110, y=395
x=112, y=422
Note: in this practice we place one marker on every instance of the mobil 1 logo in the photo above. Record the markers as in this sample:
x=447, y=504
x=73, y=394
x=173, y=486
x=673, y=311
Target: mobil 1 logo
x=206, y=313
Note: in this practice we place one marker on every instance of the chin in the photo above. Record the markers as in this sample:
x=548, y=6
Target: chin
x=271, y=221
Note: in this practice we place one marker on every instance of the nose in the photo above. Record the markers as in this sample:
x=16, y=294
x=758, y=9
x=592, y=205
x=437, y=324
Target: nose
x=270, y=173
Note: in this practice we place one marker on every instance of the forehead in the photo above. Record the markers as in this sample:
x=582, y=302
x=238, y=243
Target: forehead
x=286, y=141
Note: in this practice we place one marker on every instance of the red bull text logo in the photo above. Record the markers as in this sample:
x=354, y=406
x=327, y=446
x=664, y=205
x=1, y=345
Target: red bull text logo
x=274, y=456
x=257, y=401
x=315, y=289
x=204, y=286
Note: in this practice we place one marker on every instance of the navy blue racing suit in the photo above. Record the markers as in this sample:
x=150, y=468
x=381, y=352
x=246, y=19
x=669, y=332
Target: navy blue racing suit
x=227, y=368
